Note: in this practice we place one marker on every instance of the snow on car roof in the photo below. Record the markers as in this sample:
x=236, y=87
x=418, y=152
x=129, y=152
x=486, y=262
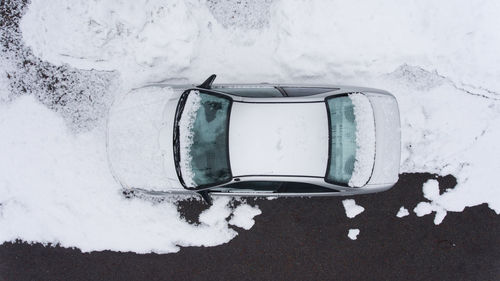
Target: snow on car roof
x=278, y=139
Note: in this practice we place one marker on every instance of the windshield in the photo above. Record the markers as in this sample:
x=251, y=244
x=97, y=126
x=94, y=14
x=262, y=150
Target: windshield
x=352, y=140
x=201, y=139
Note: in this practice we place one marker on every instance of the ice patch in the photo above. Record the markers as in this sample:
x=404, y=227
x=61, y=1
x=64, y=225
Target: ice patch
x=353, y=233
x=351, y=209
x=243, y=216
x=365, y=140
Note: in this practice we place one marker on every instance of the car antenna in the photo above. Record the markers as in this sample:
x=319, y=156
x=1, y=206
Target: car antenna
x=208, y=83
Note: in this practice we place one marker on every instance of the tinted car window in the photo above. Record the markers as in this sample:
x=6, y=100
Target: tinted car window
x=253, y=92
x=250, y=186
x=299, y=187
x=306, y=91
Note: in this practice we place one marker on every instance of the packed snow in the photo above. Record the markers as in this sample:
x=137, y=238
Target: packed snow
x=353, y=233
x=351, y=208
x=365, y=140
x=403, y=212
x=439, y=58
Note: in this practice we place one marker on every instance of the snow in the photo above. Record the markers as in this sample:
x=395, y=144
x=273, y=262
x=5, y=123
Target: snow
x=403, y=212
x=243, y=216
x=353, y=233
x=365, y=140
x=56, y=188
x=431, y=192
x=278, y=139
x=351, y=209
x=439, y=58
x=186, y=123
x=134, y=150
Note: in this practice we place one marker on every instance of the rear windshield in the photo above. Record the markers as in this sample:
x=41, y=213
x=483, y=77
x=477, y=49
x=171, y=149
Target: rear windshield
x=342, y=140
x=201, y=146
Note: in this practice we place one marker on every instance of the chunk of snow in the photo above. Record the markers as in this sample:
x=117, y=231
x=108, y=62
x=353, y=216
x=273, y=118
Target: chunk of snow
x=431, y=189
x=403, y=212
x=431, y=192
x=351, y=209
x=186, y=123
x=243, y=216
x=353, y=233
x=365, y=140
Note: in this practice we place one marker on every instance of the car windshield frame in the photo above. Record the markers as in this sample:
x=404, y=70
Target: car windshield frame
x=176, y=142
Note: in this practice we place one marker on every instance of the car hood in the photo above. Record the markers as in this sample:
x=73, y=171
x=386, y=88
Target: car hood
x=388, y=140
x=139, y=139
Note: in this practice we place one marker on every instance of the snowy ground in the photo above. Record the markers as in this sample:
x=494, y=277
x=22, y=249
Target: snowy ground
x=439, y=58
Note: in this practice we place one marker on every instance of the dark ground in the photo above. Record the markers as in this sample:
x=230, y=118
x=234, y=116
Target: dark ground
x=300, y=239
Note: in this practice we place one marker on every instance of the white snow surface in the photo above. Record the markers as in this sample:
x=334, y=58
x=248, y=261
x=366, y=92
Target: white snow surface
x=365, y=140
x=133, y=144
x=403, y=212
x=431, y=192
x=351, y=209
x=439, y=58
x=353, y=233
x=243, y=216
x=186, y=123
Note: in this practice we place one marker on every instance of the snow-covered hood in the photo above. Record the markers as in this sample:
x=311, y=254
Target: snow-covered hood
x=139, y=141
x=388, y=140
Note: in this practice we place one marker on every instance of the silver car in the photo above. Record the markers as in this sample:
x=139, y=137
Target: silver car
x=254, y=140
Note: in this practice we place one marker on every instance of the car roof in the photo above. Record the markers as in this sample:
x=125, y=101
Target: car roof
x=278, y=139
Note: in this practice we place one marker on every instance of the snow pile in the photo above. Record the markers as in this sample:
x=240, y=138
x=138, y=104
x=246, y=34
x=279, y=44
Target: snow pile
x=243, y=216
x=403, y=212
x=351, y=209
x=431, y=192
x=447, y=129
x=56, y=187
x=365, y=140
x=114, y=35
x=353, y=233
x=241, y=13
x=186, y=123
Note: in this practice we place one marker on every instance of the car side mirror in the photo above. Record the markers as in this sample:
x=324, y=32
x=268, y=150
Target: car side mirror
x=208, y=83
x=206, y=196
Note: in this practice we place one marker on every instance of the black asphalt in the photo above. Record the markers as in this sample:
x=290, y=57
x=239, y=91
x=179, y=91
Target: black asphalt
x=300, y=239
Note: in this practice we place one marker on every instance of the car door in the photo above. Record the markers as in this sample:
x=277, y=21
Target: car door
x=303, y=188
x=252, y=91
x=251, y=188
x=303, y=91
